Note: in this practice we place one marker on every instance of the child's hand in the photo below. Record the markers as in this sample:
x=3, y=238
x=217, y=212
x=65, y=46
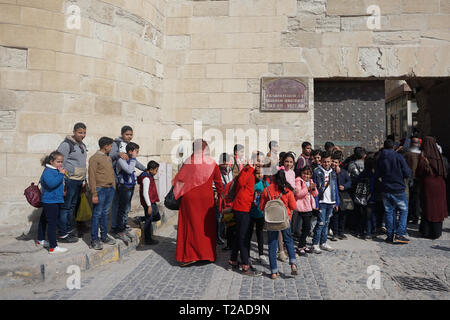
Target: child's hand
x=94, y=199
x=341, y=188
x=149, y=210
x=134, y=153
x=123, y=156
x=312, y=186
x=61, y=170
x=336, y=208
x=296, y=190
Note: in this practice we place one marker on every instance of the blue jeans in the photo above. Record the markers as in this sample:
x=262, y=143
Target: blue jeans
x=65, y=220
x=100, y=212
x=393, y=203
x=272, y=237
x=115, y=210
x=323, y=220
x=124, y=198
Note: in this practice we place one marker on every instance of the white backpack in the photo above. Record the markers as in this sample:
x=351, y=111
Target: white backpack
x=275, y=214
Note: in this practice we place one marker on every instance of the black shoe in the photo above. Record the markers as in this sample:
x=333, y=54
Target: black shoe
x=389, y=240
x=333, y=238
x=342, y=237
x=68, y=239
x=226, y=248
x=96, y=245
x=362, y=237
x=151, y=242
x=220, y=241
x=401, y=239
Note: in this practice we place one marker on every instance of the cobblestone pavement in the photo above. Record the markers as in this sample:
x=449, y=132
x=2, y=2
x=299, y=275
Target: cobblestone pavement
x=153, y=273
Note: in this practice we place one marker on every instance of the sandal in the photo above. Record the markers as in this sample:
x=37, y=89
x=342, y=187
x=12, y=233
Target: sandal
x=248, y=272
x=307, y=250
x=301, y=251
x=294, y=270
x=232, y=264
x=185, y=264
x=273, y=276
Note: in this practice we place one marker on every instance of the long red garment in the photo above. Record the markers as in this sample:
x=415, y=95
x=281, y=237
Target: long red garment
x=196, y=236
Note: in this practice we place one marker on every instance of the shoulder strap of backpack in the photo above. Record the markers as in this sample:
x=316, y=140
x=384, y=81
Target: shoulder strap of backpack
x=71, y=145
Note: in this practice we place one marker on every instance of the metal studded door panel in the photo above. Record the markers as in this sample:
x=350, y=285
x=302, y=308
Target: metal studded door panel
x=350, y=114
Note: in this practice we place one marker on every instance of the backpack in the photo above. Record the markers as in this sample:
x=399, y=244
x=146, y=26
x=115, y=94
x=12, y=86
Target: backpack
x=275, y=214
x=362, y=192
x=33, y=195
x=71, y=145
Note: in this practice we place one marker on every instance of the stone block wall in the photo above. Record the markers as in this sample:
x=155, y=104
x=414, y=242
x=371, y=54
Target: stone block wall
x=108, y=73
x=158, y=65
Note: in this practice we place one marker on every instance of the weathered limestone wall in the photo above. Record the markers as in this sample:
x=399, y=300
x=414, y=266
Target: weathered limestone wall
x=157, y=65
x=106, y=74
x=217, y=51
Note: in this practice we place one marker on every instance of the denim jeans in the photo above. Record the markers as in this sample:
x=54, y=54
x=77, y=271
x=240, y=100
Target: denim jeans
x=124, y=205
x=115, y=210
x=49, y=216
x=393, y=203
x=100, y=212
x=272, y=237
x=148, y=227
x=219, y=225
x=65, y=221
x=323, y=220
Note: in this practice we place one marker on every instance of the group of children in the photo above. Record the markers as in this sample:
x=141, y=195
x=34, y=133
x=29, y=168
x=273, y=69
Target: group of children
x=111, y=179
x=315, y=186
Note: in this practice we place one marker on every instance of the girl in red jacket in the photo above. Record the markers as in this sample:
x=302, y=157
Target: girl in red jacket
x=280, y=186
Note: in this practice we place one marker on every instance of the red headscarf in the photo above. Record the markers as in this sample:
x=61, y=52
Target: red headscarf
x=196, y=170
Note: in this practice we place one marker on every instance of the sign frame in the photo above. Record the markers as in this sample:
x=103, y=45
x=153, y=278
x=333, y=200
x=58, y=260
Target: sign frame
x=266, y=80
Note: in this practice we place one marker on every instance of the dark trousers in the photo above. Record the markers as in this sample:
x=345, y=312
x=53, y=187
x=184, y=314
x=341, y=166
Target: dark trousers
x=49, y=216
x=240, y=243
x=296, y=223
x=125, y=195
x=259, y=223
x=338, y=222
x=414, y=201
x=65, y=218
x=231, y=234
x=306, y=227
x=365, y=218
x=148, y=227
x=219, y=225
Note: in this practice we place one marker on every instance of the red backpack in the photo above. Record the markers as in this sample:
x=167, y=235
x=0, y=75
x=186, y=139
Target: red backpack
x=33, y=195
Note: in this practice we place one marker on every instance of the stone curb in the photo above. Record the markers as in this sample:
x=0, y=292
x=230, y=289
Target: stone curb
x=88, y=259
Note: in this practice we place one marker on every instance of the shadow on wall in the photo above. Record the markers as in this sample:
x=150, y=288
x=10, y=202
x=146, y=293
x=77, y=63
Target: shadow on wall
x=32, y=232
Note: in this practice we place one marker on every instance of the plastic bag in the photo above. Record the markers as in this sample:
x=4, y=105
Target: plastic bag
x=84, y=210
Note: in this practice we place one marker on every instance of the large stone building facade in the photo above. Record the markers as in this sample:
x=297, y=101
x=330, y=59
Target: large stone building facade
x=158, y=65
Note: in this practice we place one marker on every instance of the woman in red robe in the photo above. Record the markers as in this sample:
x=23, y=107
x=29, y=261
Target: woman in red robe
x=197, y=234
x=432, y=173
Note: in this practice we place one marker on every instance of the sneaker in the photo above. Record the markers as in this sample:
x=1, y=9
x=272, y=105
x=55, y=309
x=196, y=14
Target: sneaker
x=42, y=243
x=389, y=240
x=401, y=239
x=68, y=238
x=129, y=234
x=57, y=250
x=96, y=245
x=109, y=240
x=282, y=256
x=151, y=242
x=342, y=237
x=330, y=232
x=362, y=236
x=316, y=249
x=326, y=247
x=121, y=236
x=383, y=229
